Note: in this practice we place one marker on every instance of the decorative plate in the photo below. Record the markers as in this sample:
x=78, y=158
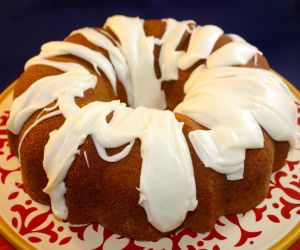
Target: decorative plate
x=27, y=224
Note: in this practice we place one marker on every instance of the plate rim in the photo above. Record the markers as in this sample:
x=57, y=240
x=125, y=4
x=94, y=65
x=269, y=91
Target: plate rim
x=18, y=242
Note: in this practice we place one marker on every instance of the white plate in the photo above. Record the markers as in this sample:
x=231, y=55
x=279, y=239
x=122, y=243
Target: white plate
x=28, y=224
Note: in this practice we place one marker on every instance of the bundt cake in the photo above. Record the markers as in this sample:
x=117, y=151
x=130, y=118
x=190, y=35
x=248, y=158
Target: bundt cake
x=146, y=126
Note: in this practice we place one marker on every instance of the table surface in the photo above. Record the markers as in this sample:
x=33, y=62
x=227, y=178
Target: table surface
x=271, y=25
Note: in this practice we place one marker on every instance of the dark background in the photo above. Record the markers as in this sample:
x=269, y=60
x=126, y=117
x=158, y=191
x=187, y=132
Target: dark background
x=271, y=25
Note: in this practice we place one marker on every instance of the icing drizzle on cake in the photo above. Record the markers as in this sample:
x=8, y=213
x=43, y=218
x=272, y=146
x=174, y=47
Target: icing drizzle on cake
x=233, y=102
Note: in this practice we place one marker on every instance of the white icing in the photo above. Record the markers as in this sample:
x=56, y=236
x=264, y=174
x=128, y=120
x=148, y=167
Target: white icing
x=144, y=89
x=37, y=121
x=115, y=55
x=59, y=207
x=168, y=56
x=45, y=91
x=95, y=58
x=201, y=45
x=255, y=59
x=160, y=133
x=234, y=53
x=234, y=102
x=86, y=159
x=237, y=38
x=63, y=66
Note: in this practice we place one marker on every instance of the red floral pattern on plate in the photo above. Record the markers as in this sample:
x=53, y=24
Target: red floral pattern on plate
x=35, y=223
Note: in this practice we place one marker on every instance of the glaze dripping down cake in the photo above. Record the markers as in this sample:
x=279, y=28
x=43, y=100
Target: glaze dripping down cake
x=146, y=126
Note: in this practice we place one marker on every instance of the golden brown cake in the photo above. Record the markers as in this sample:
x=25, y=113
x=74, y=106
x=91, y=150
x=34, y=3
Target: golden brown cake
x=203, y=126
